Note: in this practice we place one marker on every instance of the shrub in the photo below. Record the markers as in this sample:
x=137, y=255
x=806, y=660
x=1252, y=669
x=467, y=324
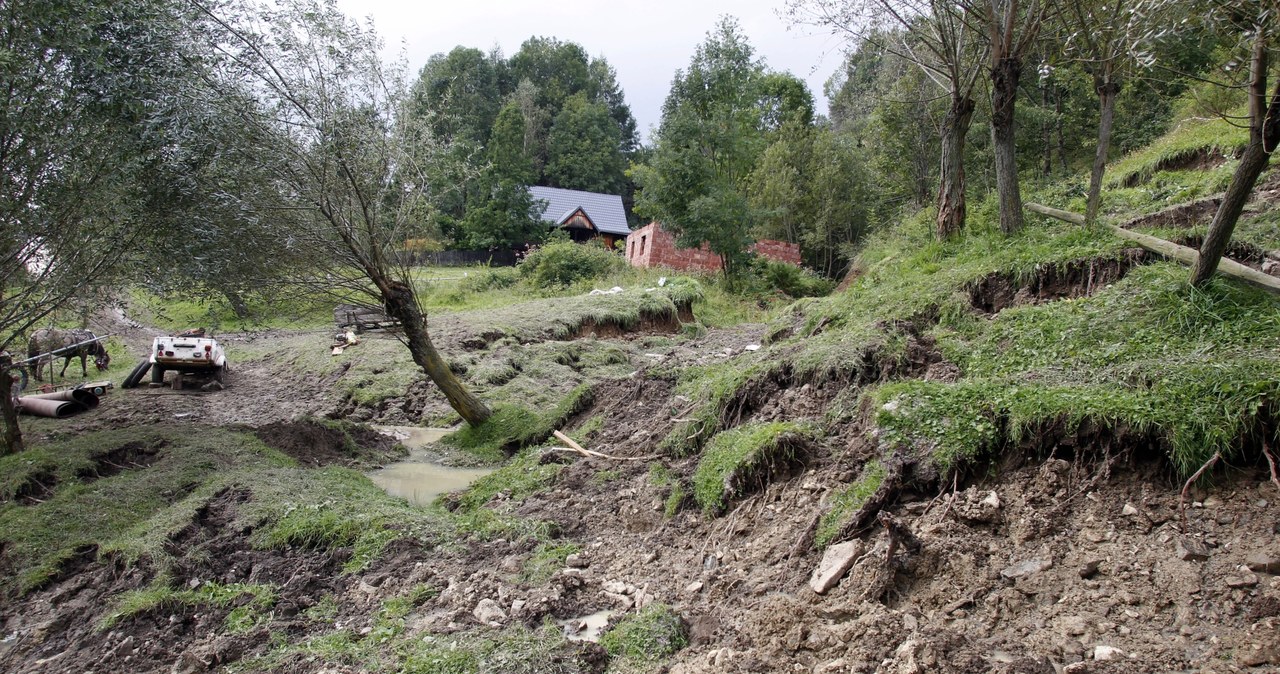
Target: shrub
x=563, y=263
x=496, y=278
x=792, y=280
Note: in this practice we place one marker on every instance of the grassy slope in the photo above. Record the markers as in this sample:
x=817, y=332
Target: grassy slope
x=1197, y=370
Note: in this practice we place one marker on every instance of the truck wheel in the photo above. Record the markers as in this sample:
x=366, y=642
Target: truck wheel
x=157, y=374
x=220, y=374
x=136, y=375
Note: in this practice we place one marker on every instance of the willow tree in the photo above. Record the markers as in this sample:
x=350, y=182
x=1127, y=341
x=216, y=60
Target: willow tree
x=324, y=117
x=1097, y=34
x=85, y=83
x=1011, y=27
x=938, y=37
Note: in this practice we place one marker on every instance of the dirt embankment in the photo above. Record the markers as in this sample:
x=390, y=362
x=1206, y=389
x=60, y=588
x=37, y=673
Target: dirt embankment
x=1071, y=556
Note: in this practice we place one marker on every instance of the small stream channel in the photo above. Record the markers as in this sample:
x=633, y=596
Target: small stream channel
x=419, y=478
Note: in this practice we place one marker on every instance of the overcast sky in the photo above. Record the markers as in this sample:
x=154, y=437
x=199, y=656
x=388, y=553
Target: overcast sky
x=644, y=40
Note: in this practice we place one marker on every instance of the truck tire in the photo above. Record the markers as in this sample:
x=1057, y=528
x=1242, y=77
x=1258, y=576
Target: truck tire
x=157, y=373
x=135, y=376
x=220, y=374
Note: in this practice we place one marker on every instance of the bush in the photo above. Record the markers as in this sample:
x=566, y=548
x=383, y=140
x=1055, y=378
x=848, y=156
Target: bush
x=563, y=263
x=795, y=281
x=766, y=279
x=496, y=278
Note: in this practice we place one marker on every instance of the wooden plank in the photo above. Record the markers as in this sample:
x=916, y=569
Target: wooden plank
x=1169, y=249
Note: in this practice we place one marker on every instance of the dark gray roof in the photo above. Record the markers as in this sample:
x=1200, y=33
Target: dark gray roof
x=605, y=210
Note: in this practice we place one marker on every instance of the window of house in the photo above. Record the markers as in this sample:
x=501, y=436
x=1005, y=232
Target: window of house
x=642, y=244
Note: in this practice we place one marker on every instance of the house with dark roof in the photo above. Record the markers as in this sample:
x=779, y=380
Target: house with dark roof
x=584, y=215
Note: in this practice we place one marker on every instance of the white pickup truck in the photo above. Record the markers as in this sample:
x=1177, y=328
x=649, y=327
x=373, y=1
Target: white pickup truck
x=187, y=354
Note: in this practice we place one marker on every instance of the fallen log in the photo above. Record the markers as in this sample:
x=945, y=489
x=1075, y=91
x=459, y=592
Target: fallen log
x=1183, y=254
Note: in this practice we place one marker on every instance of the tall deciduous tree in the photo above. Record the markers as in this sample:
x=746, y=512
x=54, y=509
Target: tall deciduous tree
x=1097, y=34
x=940, y=39
x=326, y=120
x=707, y=145
x=84, y=83
x=584, y=148
x=1011, y=28
x=811, y=188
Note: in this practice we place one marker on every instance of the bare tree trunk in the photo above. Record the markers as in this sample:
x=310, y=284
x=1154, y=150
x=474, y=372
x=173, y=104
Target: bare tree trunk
x=401, y=305
x=1047, y=132
x=1264, y=134
x=11, y=434
x=1107, y=90
x=951, y=206
x=237, y=303
x=1004, y=92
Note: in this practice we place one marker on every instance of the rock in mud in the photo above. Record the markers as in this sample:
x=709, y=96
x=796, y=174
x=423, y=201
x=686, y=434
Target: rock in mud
x=489, y=613
x=835, y=563
x=576, y=561
x=1264, y=561
x=1190, y=550
x=1242, y=581
x=1027, y=568
x=1107, y=653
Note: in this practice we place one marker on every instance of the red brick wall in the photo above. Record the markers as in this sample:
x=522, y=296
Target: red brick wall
x=780, y=251
x=651, y=246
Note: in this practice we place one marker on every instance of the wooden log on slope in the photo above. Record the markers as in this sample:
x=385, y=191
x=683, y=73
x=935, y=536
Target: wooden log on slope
x=1187, y=256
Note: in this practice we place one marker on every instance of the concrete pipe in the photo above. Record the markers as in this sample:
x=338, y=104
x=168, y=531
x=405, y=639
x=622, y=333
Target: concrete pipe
x=44, y=407
x=85, y=397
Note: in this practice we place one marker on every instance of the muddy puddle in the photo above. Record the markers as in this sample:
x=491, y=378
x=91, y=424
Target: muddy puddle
x=587, y=627
x=418, y=478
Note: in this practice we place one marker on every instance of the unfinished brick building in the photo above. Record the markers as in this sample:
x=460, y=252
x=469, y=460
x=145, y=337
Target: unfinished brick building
x=653, y=246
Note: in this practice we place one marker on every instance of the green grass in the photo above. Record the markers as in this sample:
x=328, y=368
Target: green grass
x=520, y=478
x=132, y=514
x=846, y=502
x=1186, y=140
x=654, y=634
x=546, y=560
x=742, y=454
x=159, y=598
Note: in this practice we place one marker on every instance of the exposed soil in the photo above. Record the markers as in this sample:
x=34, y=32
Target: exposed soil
x=1069, y=556
x=317, y=443
x=1076, y=279
x=1199, y=160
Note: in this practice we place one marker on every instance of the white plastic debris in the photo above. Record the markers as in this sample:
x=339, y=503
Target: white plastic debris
x=662, y=281
x=751, y=347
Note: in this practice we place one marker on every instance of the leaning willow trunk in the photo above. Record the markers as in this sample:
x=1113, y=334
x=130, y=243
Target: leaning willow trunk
x=401, y=305
x=1264, y=136
x=951, y=206
x=1004, y=92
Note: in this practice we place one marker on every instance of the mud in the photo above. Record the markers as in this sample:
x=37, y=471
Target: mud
x=1071, y=555
x=321, y=443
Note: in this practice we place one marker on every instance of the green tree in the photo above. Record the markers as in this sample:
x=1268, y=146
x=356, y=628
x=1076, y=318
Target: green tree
x=511, y=147
x=584, y=148
x=86, y=82
x=811, y=187
x=504, y=216
x=459, y=93
x=606, y=90
x=711, y=135
x=326, y=123
x=939, y=38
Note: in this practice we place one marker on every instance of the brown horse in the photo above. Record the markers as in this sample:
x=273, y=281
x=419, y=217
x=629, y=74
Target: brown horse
x=48, y=340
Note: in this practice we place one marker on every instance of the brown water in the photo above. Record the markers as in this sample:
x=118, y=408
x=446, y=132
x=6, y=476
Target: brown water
x=588, y=627
x=418, y=479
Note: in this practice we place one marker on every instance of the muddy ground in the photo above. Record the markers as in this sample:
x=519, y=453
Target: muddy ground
x=1069, y=558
